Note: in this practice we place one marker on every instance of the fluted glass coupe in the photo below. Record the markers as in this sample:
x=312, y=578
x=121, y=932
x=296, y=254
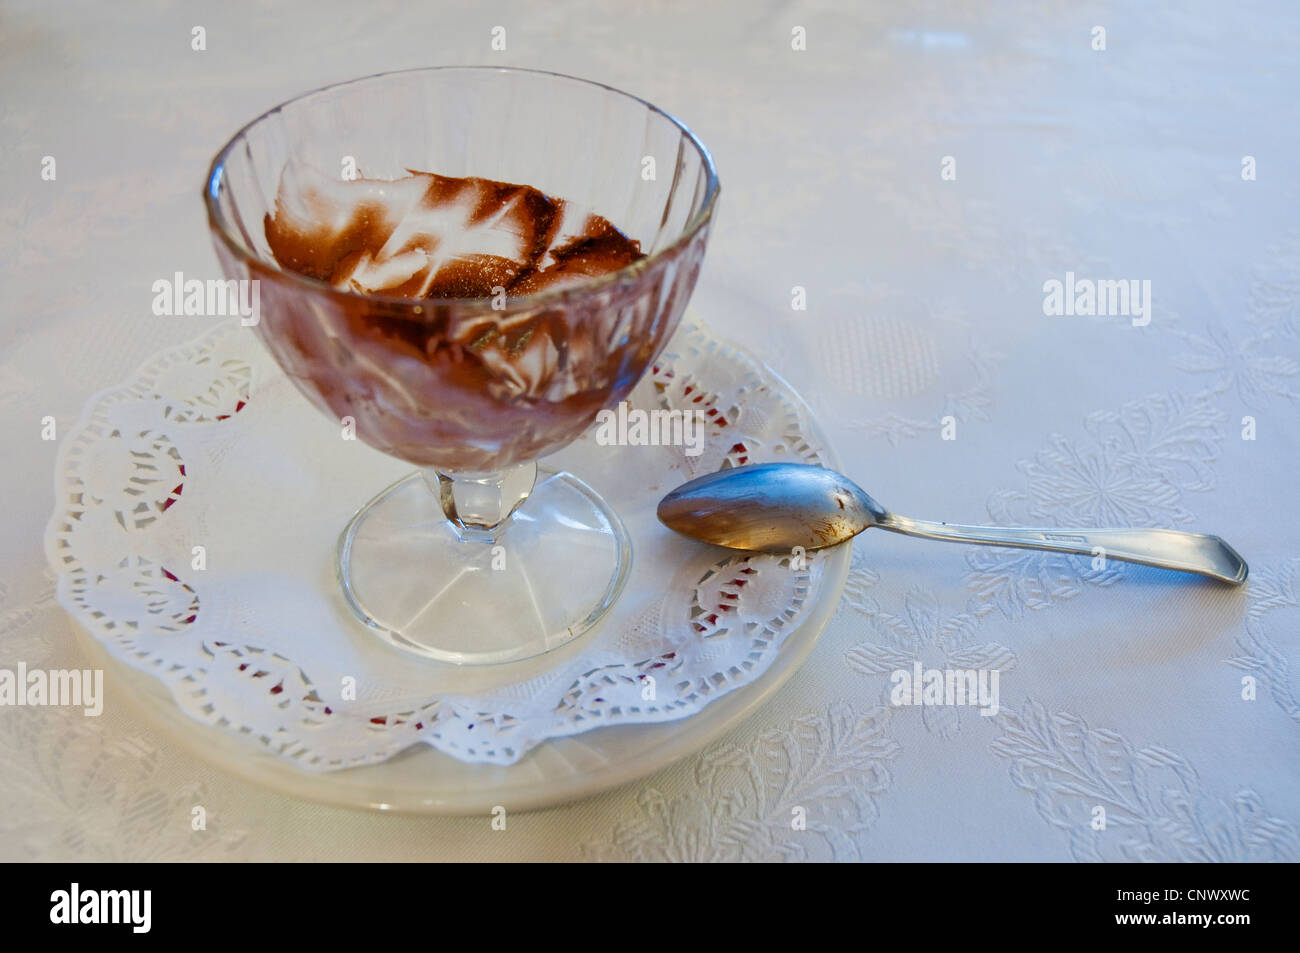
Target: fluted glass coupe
x=476, y=556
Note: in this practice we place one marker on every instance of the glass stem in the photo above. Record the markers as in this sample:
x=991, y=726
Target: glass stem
x=479, y=505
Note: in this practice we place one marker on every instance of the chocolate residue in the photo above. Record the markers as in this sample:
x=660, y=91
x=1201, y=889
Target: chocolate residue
x=459, y=385
x=435, y=236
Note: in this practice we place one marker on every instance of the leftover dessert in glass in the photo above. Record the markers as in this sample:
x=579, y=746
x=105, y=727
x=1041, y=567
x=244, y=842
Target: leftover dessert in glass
x=464, y=266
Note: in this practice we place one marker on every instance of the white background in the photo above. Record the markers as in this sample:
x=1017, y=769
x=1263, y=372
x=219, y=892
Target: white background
x=924, y=300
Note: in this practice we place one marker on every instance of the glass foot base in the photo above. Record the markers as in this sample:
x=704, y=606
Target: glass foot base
x=552, y=572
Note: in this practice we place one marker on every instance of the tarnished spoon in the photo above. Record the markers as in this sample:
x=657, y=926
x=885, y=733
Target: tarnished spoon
x=774, y=507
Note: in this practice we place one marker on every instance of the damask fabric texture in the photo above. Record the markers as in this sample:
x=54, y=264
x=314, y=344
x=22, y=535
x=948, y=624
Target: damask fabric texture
x=901, y=184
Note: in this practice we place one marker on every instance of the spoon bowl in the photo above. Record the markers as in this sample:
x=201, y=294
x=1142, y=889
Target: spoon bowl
x=771, y=507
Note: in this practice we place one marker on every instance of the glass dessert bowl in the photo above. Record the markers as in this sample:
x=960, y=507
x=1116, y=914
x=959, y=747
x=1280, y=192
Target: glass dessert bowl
x=463, y=266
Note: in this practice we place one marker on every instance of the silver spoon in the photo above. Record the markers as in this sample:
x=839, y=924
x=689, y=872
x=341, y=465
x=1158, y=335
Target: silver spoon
x=774, y=507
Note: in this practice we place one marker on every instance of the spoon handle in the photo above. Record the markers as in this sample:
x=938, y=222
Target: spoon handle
x=1165, y=548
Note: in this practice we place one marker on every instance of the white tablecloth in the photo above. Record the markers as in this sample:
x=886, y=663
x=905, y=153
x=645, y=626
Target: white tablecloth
x=919, y=170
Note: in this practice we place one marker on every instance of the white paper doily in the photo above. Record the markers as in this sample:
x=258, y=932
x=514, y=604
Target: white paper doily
x=194, y=535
